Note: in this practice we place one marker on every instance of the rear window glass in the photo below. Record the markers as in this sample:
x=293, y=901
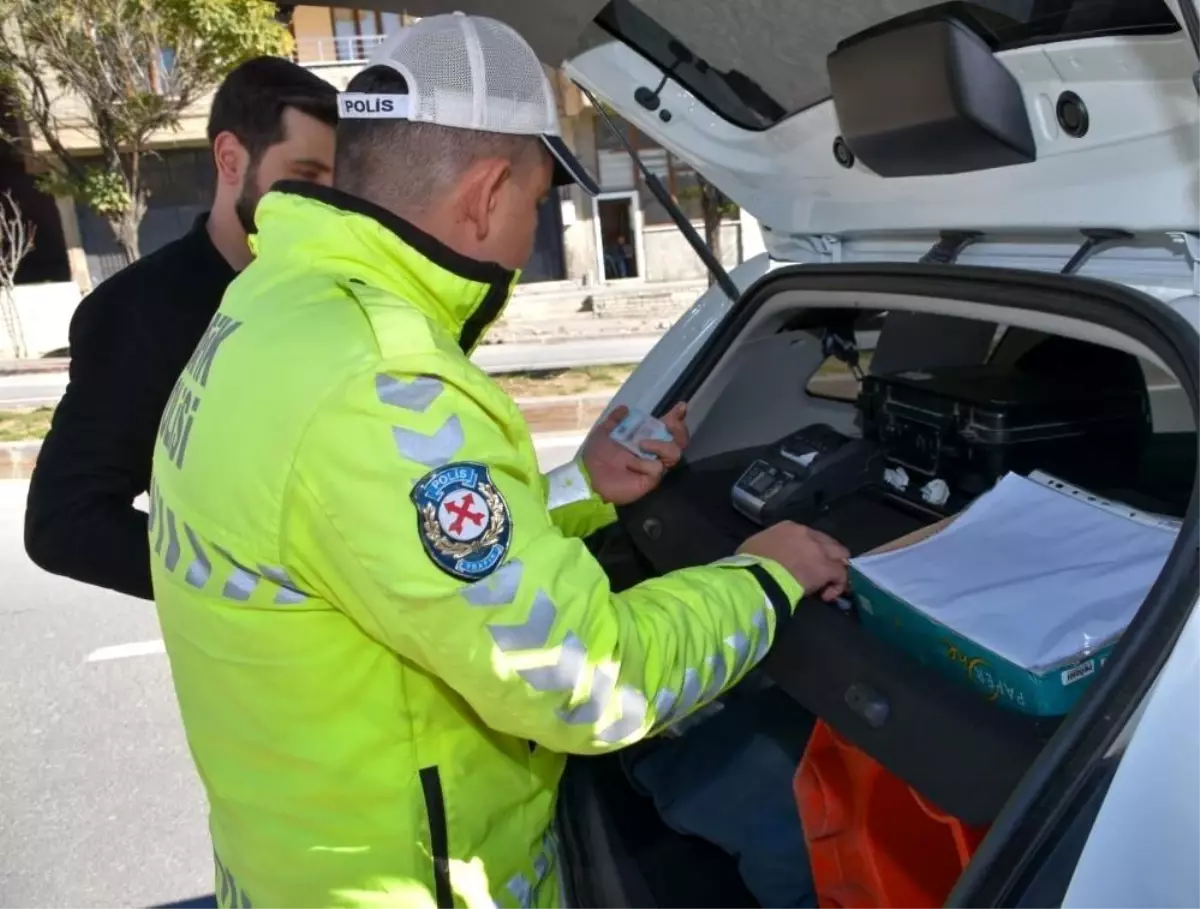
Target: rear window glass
x=756, y=62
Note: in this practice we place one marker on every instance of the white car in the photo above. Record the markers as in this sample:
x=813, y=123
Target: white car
x=988, y=185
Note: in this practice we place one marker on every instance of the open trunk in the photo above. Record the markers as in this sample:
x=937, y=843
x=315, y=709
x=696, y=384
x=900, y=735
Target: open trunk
x=763, y=374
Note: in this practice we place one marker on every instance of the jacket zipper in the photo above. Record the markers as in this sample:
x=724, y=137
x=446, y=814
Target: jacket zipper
x=439, y=840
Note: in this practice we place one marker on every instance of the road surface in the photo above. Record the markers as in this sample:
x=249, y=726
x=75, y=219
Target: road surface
x=45, y=389
x=99, y=800
x=31, y=390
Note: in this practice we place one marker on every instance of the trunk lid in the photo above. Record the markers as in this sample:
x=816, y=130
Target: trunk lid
x=742, y=93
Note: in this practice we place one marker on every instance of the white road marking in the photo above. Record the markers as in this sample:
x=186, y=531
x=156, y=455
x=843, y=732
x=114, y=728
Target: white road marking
x=121, y=651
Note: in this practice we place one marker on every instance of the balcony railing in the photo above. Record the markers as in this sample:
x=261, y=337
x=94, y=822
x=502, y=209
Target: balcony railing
x=331, y=49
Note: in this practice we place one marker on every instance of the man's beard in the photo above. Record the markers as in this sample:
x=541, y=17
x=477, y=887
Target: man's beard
x=247, y=201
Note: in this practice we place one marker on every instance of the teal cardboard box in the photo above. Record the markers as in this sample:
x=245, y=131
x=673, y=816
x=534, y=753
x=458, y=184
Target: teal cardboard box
x=1048, y=693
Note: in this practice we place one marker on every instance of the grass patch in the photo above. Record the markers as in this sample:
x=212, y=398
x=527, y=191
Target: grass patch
x=21, y=425
x=563, y=381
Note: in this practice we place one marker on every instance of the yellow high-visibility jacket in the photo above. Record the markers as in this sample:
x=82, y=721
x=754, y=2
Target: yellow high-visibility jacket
x=384, y=630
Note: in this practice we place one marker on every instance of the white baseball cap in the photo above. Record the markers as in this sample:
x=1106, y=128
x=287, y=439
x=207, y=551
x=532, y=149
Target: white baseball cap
x=469, y=72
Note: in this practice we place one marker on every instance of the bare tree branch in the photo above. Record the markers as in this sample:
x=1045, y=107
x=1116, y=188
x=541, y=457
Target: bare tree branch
x=16, y=238
x=16, y=242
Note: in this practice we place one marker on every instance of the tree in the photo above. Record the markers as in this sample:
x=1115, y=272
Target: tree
x=16, y=242
x=714, y=206
x=117, y=72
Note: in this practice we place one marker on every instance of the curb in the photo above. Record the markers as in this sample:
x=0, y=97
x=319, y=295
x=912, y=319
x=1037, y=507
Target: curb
x=33, y=367
x=566, y=413
x=17, y=459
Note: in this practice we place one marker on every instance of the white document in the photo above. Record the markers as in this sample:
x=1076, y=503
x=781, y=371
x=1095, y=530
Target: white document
x=1034, y=574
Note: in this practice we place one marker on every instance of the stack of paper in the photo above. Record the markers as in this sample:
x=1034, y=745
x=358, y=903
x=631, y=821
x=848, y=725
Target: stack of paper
x=1036, y=574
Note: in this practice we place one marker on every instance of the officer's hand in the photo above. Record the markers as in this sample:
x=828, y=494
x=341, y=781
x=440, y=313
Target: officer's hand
x=814, y=559
x=619, y=476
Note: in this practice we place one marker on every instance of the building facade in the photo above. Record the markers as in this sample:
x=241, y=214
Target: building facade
x=622, y=239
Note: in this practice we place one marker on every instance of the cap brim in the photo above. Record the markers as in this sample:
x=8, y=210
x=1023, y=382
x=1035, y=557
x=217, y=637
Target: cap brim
x=567, y=169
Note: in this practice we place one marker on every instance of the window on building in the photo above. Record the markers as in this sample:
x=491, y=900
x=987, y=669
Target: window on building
x=368, y=23
x=345, y=22
x=357, y=31
x=179, y=177
x=345, y=34
x=616, y=172
x=165, y=67
x=157, y=76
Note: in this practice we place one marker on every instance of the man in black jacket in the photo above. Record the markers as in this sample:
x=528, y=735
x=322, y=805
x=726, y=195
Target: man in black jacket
x=132, y=336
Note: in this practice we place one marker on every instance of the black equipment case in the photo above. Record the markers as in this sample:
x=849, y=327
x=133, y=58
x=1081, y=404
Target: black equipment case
x=970, y=425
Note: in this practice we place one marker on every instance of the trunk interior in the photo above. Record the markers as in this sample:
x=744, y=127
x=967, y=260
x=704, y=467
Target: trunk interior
x=772, y=370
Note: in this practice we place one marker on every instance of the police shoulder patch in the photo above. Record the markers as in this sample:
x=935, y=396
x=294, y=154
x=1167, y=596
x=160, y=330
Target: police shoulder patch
x=463, y=520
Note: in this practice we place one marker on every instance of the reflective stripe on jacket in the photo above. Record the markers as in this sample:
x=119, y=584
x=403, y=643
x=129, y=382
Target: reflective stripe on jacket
x=384, y=629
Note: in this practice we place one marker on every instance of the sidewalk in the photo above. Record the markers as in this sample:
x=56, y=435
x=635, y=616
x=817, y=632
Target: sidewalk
x=554, y=312
x=549, y=414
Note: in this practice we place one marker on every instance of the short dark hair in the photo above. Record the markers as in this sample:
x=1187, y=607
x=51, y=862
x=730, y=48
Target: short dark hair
x=403, y=164
x=251, y=101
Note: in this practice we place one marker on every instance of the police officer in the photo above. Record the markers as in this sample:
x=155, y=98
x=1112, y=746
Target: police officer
x=384, y=630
